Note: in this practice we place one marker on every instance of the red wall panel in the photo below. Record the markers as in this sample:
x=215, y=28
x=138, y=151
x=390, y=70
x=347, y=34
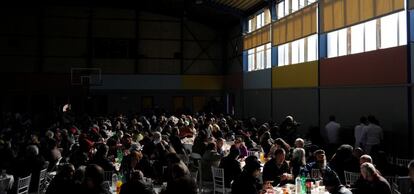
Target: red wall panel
x=387, y=66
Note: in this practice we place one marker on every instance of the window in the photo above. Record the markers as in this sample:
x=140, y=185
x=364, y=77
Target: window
x=260, y=20
x=250, y=26
x=295, y=52
x=281, y=55
x=371, y=35
x=342, y=42
x=301, y=50
x=280, y=10
x=250, y=63
x=287, y=8
x=295, y=5
x=301, y=4
x=385, y=32
x=357, y=39
x=389, y=31
x=312, y=49
x=332, y=44
x=402, y=28
x=268, y=55
x=260, y=57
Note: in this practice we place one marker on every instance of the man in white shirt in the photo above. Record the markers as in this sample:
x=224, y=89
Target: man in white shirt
x=358, y=131
x=332, y=131
x=372, y=135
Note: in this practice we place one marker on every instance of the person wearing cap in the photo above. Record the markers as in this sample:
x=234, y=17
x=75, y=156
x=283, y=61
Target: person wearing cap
x=334, y=186
x=247, y=182
x=277, y=169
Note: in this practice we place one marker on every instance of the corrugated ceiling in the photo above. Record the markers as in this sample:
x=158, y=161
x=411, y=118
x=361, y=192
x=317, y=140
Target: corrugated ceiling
x=243, y=5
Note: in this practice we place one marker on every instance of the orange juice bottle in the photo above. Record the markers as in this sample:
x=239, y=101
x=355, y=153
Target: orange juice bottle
x=118, y=186
x=262, y=158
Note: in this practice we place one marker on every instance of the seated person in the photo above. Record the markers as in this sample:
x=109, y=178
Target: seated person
x=231, y=167
x=247, y=182
x=334, y=186
x=181, y=181
x=318, y=169
x=210, y=158
x=277, y=169
x=375, y=182
x=136, y=184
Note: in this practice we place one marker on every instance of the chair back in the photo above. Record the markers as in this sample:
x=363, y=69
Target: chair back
x=253, y=153
x=403, y=184
x=23, y=185
x=351, y=177
x=108, y=176
x=402, y=162
x=392, y=180
x=5, y=185
x=43, y=183
x=218, y=180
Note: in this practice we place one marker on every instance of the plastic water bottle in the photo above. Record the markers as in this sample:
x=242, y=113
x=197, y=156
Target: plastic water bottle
x=114, y=181
x=298, y=184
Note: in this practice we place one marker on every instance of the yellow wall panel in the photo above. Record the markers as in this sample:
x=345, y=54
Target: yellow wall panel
x=290, y=31
x=247, y=42
x=275, y=34
x=366, y=10
x=398, y=4
x=297, y=22
x=383, y=6
x=339, y=17
x=294, y=76
x=307, y=21
x=267, y=16
x=327, y=16
x=202, y=82
x=314, y=20
x=352, y=11
x=283, y=32
x=266, y=35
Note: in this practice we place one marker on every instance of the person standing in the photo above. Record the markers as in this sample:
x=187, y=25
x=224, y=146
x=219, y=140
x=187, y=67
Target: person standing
x=359, y=130
x=332, y=134
x=372, y=135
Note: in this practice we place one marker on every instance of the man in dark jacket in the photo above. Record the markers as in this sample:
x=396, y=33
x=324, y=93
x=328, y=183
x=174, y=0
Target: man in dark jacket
x=181, y=182
x=231, y=167
x=136, y=185
x=247, y=182
x=101, y=158
x=277, y=169
x=334, y=186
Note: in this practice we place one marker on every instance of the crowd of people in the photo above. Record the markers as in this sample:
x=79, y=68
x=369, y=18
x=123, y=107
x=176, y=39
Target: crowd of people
x=155, y=147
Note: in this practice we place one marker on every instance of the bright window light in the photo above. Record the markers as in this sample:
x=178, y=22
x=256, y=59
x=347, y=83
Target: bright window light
x=342, y=42
x=333, y=44
x=389, y=31
x=357, y=39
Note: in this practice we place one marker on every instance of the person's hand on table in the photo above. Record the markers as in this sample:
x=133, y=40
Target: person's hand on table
x=266, y=185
